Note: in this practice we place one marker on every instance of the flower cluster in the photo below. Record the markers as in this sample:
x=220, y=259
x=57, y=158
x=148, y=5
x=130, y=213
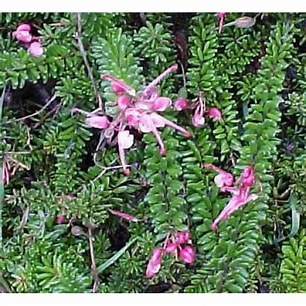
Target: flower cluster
x=239, y=190
x=199, y=110
x=23, y=35
x=136, y=110
x=178, y=244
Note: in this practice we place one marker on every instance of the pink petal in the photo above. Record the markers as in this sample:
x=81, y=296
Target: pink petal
x=99, y=122
x=161, y=103
x=35, y=49
x=182, y=237
x=125, y=139
x=171, y=247
x=198, y=120
x=132, y=117
x=171, y=124
x=123, y=102
x=154, y=263
x=215, y=113
x=124, y=215
x=224, y=179
x=187, y=254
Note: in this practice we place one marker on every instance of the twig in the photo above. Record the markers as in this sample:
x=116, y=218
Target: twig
x=2, y=165
x=94, y=270
x=37, y=112
x=83, y=53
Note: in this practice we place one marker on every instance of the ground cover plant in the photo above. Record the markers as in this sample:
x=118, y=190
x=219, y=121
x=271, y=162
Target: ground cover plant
x=152, y=152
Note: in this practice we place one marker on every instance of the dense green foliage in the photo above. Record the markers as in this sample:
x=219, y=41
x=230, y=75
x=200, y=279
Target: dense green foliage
x=256, y=76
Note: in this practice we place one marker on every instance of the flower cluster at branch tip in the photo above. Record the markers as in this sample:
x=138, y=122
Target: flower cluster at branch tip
x=23, y=35
x=178, y=244
x=200, y=110
x=135, y=110
x=239, y=190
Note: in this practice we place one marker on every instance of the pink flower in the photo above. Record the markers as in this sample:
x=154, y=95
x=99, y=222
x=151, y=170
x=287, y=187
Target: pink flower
x=240, y=192
x=99, y=122
x=35, y=49
x=234, y=204
x=154, y=262
x=22, y=33
x=161, y=103
x=215, y=113
x=187, y=254
x=124, y=215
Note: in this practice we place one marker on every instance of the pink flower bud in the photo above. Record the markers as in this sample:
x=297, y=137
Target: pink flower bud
x=161, y=103
x=187, y=254
x=35, y=49
x=182, y=237
x=215, y=113
x=123, y=102
x=99, y=122
x=154, y=263
x=180, y=104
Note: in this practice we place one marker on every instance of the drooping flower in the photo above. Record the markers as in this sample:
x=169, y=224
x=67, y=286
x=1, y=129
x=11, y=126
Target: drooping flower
x=178, y=244
x=239, y=190
x=154, y=262
x=23, y=35
x=140, y=111
x=237, y=201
